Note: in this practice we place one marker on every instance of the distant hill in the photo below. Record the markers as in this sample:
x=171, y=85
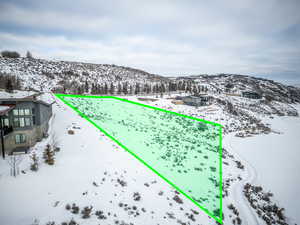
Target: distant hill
x=46, y=75
x=77, y=77
x=296, y=85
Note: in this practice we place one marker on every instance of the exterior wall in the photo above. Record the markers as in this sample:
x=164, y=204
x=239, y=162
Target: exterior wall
x=33, y=133
x=45, y=113
x=252, y=95
x=197, y=101
x=32, y=136
x=21, y=105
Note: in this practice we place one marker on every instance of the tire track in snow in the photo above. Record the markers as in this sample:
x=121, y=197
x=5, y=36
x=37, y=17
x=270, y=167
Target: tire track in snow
x=247, y=214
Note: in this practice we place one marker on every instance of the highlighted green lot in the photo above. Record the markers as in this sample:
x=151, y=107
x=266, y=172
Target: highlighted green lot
x=184, y=151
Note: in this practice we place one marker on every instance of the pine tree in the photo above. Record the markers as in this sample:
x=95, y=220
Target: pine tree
x=148, y=88
x=163, y=87
x=86, y=86
x=9, y=86
x=125, y=88
x=18, y=83
x=105, y=90
x=119, y=89
x=131, y=90
x=137, y=89
x=170, y=87
x=112, y=89
x=35, y=162
x=48, y=155
x=29, y=55
x=93, y=90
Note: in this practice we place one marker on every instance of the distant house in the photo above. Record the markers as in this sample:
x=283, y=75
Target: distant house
x=251, y=94
x=23, y=122
x=200, y=100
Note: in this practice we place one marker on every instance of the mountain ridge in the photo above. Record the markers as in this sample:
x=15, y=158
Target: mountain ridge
x=90, y=78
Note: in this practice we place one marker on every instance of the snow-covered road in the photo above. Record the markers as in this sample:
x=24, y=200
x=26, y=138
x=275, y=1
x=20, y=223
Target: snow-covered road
x=247, y=214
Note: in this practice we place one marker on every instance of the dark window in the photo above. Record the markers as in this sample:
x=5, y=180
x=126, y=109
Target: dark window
x=26, y=112
x=16, y=122
x=27, y=121
x=20, y=138
x=21, y=112
x=16, y=112
x=22, y=122
x=6, y=122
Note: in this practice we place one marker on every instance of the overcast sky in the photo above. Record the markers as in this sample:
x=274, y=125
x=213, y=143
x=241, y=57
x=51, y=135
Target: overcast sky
x=256, y=37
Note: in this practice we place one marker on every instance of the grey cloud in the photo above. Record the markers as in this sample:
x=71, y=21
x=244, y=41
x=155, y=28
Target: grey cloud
x=166, y=37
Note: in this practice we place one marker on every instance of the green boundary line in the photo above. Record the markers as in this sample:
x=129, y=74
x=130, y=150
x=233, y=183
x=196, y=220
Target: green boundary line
x=220, y=220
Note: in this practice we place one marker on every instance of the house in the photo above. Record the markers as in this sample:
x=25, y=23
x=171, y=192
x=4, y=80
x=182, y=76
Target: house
x=199, y=100
x=23, y=122
x=251, y=94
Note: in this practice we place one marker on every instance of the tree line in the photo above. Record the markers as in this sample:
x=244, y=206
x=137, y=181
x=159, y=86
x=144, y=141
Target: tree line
x=9, y=82
x=14, y=54
x=126, y=88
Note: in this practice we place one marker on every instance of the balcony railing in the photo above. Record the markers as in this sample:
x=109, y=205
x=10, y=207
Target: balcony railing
x=7, y=130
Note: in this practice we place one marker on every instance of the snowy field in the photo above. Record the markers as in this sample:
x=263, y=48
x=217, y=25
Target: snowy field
x=276, y=161
x=180, y=149
x=90, y=170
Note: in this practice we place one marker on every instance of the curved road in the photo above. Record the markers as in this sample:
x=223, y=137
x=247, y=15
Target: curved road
x=247, y=214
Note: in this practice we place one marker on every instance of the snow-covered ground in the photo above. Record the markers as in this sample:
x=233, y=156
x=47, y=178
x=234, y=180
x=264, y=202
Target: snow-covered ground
x=86, y=173
x=90, y=170
x=275, y=157
x=16, y=94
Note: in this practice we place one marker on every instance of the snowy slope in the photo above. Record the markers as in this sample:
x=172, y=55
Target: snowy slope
x=90, y=170
x=46, y=75
x=87, y=157
x=276, y=160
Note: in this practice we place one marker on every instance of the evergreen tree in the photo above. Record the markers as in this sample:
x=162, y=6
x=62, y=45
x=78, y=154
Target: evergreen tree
x=170, y=87
x=131, y=90
x=189, y=87
x=145, y=88
x=86, y=86
x=163, y=87
x=137, y=89
x=112, y=89
x=105, y=89
x=100, y=89
x=48, y=155
x=35, y=162
x=9, y=86
x=93, y=89
x=148, y=88
x=18, y=83
x=155, y=88
x=29, y=55
x=174, y=86
x=119, y=89
x=125, y=90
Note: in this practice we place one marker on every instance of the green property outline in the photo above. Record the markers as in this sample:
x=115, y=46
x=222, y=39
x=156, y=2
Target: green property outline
x=220, y=219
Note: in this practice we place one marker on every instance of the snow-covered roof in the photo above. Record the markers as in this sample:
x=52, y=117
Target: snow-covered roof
x=46, y=97
x=16, y=94
x=5, y=108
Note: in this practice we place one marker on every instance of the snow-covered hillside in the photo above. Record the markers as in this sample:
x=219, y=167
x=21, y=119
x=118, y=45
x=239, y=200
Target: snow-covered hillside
x=232, y=83
x=46, y=75
x=240, y=114
x=76, y=77
x=91, y=171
